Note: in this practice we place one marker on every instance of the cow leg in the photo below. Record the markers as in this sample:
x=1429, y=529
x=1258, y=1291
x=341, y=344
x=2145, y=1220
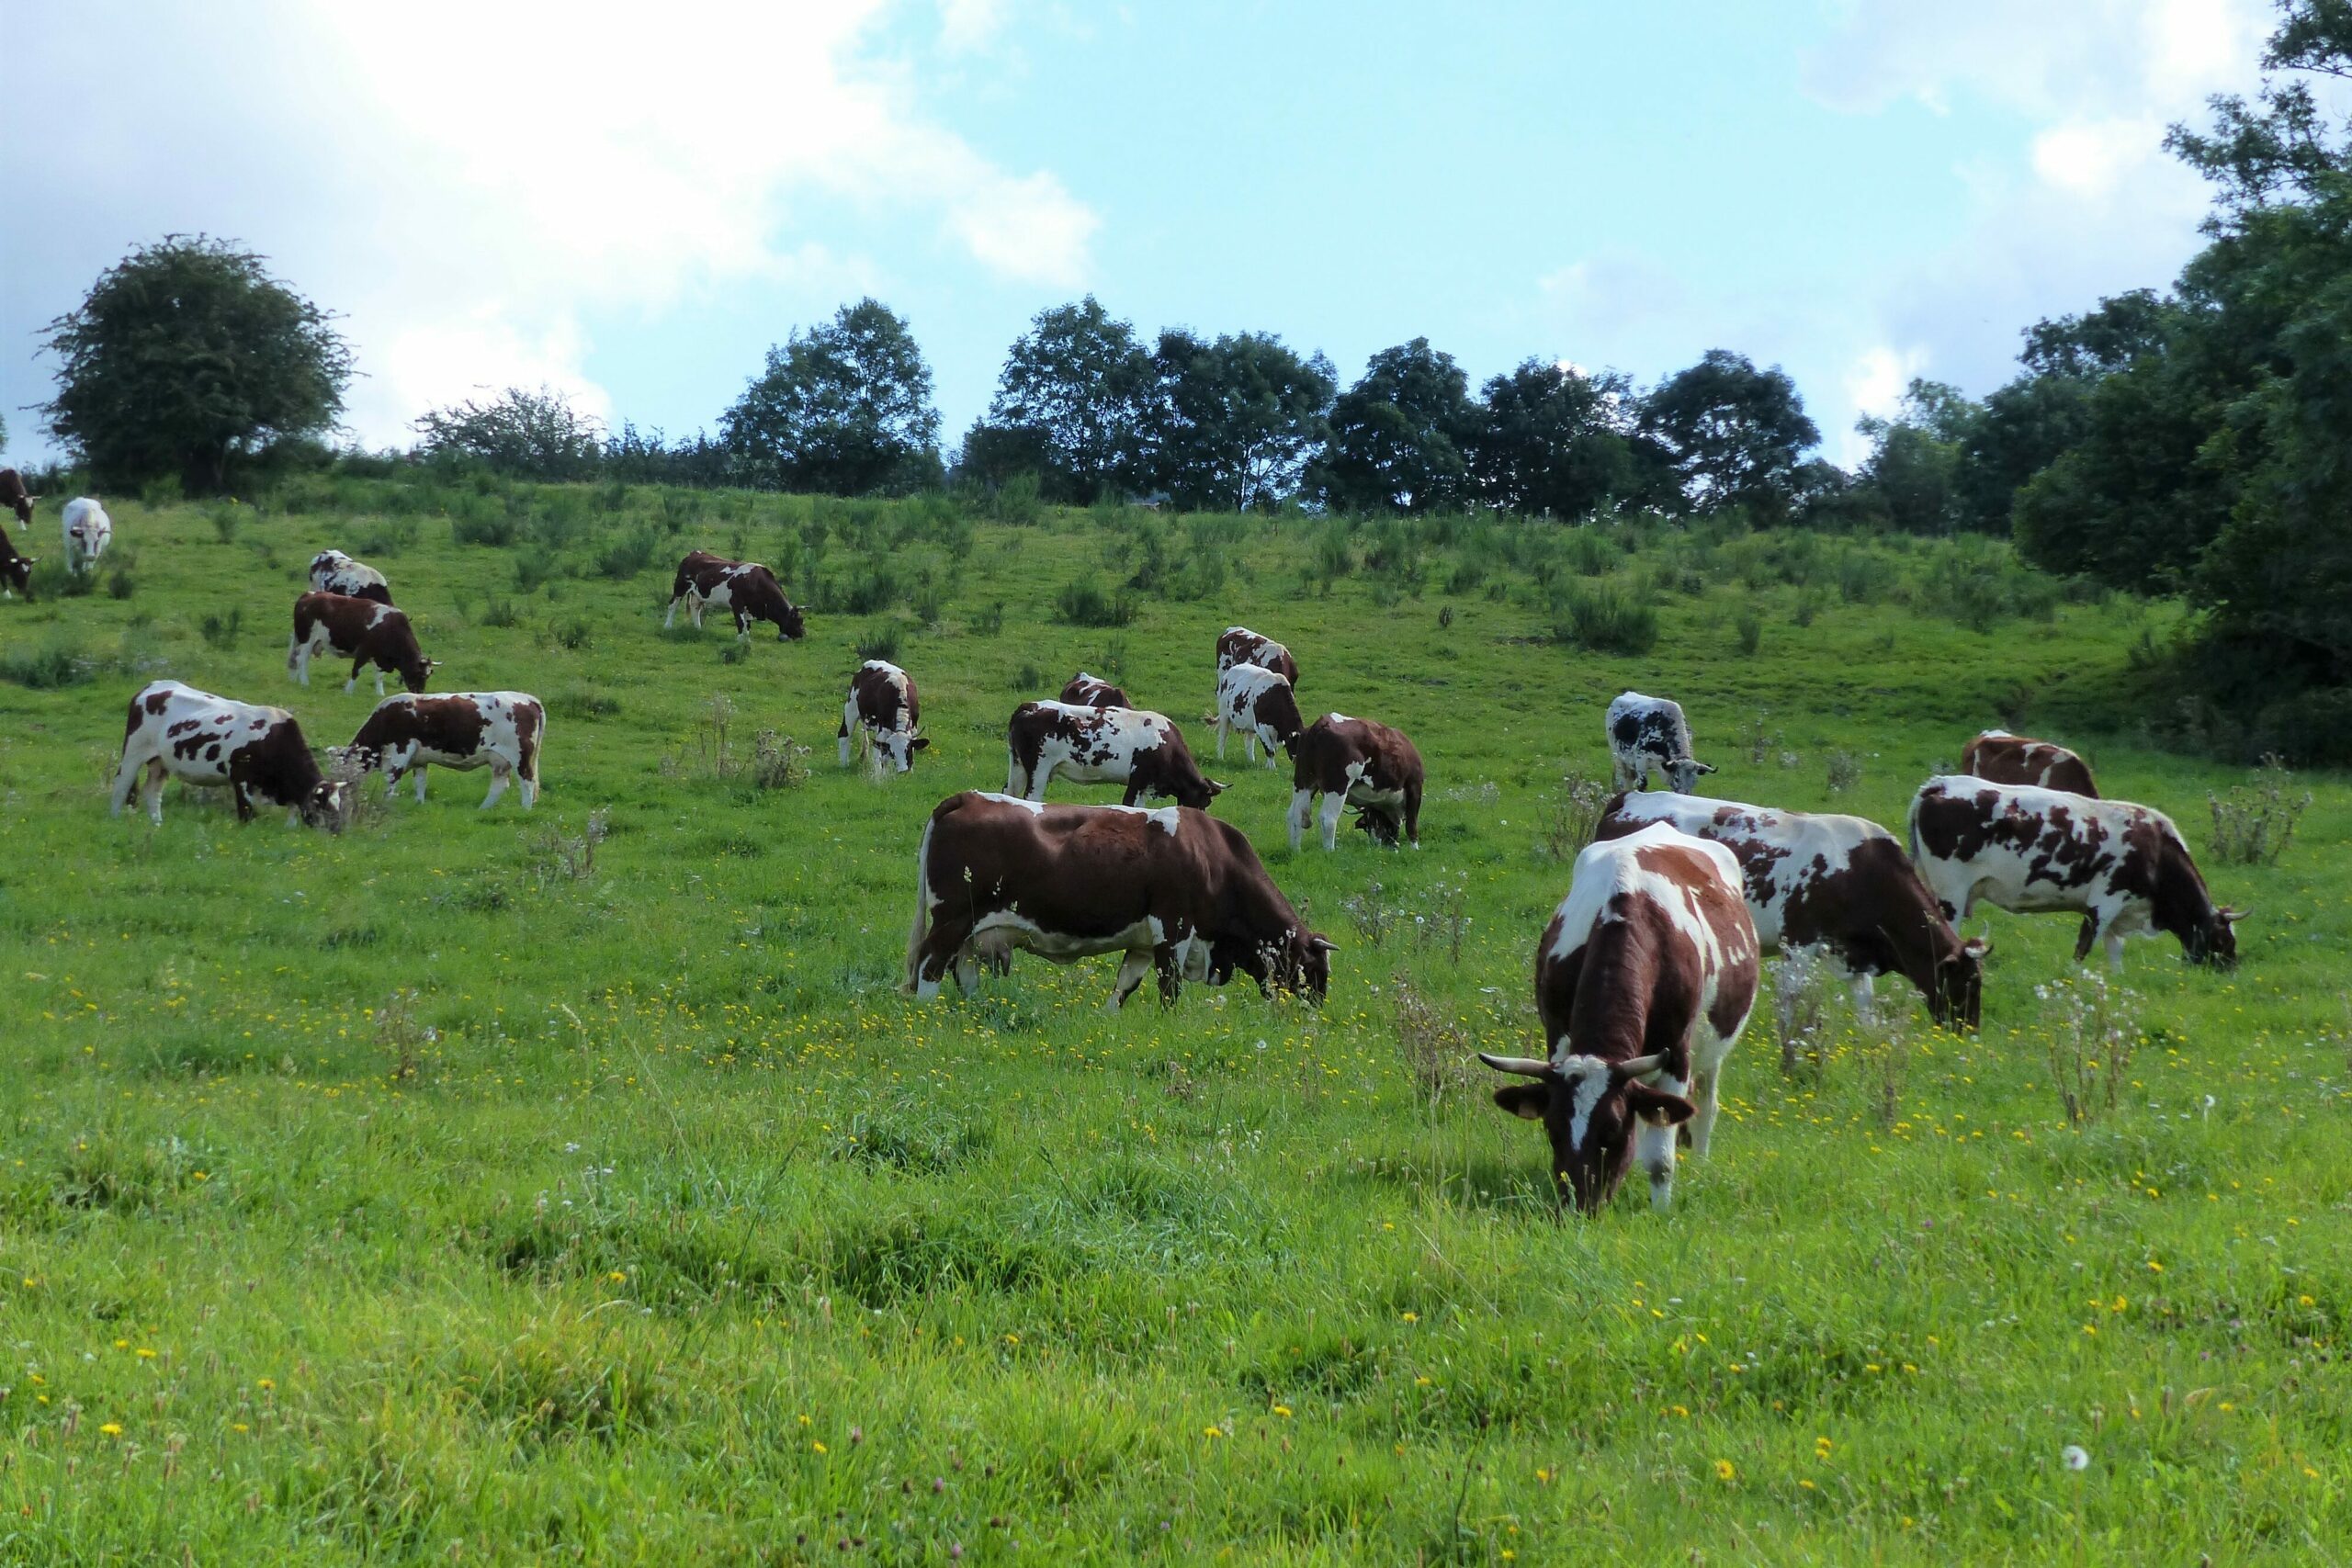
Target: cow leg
x=943, y=947
x=392, y=783
x=1168, y=960
x=1131, y=969
x=379, y=682
x=1016, y=778
x=529, y=784
x=2084, y=938
x=1703, y=1122
x=742, y=625
x=2115, y=953
x=1266, y=745
x=150, y=791
x=671, y=618
x=125, y=776
x=1334, y=805
x=1413, y=815
x=1220, y=737
x=1865, y=989
x=1302, y=806
x=498, y=781
x=1134, y=791
x=1653, y=1151
x=849, y=721
x=1039, y=777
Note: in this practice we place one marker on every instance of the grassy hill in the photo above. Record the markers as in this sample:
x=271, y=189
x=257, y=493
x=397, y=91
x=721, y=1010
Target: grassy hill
x=498, y=1187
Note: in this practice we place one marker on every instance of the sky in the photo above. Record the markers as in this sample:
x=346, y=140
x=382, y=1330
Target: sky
x=630, y=203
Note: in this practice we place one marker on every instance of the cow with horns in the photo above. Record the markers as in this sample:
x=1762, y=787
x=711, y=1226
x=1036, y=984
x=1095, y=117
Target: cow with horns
x=1644, y=979
x=1172, y=889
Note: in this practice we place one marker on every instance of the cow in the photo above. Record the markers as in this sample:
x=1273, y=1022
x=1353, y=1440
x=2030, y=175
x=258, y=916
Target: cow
x=177, y=731
x=332, y=572
x=1358, y=763
x=1259, y=704
x=88, y=531
x=2004, y=758
x=1840, y=885
x=15, y=570
x=2124, y=868
x=882, y=714
x=1094, y=692
x=1239, y=645
x=16, y=498
x=1172, y=889
x=360, y=630
x=498, y=730
x=1649, y=738
x=1644, y=979
x=1134, y=746
x=746, y=589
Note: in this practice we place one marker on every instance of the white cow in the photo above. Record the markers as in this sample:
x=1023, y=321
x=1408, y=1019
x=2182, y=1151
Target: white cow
x=88, y=531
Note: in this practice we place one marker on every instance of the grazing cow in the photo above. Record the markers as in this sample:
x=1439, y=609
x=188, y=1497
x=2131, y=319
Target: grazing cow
x=1644, y=979
x=1239, y=645
x=2004, y=758
x=15, y=570
x=1649, y=738
x=1358, y=763
x=1171, y=889
x=498, y=730
x=332, y=572
x=1259, y=704
x=88, y=531
x=360, y=630
x=15, y=497
x=2123, y=868
x=200, y=738
x=746, y=589
x=1094, y=692
x=1839, y=884
x=882, y=714
x=1134, y=746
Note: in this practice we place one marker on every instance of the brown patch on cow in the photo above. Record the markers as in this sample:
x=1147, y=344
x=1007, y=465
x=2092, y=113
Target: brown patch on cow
x=15, y=497
x=365, y=632
x=1332, y=745
x=1094, y=692
x=877, y=695
x=2000, y=758
x=1241, y=646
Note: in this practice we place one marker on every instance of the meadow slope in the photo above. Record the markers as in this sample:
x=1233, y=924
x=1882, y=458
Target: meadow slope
x=419, y=1194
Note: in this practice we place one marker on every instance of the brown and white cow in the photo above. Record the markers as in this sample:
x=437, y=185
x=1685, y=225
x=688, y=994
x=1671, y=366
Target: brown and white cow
x=745, y=588
x=1258, y=704
x=176, y=731
x=2004, y=758
x=465, y=730
x=332, y=572
x=15, y=570
x=15, y=497
x=1173, y=889
x=1358, y=763
x=360, y=630
x=1838, y=885
x=1094, y=692
x=2124, y=868
x=1644, y=979
x=1133, y=747
x=1239, y=645
x=883, y=715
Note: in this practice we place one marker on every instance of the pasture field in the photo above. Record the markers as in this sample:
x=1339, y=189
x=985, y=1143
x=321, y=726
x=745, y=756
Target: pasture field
x=434, y=1192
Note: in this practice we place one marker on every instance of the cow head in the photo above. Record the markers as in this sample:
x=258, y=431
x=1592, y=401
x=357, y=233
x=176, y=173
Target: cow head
x=790, y=625
x=1300, y=963
x=1957, y=998
x=323, y=807
x=899, y=746
x=25, y=509
x=1683, y=773
x=1196, y=795
x=1590, y=1109
x=415, y=672
x=18, y=573
x=1385, y=827
x=2214, y=940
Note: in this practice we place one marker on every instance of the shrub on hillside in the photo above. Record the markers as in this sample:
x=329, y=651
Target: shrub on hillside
x=1085, y=605
x=1604, y=618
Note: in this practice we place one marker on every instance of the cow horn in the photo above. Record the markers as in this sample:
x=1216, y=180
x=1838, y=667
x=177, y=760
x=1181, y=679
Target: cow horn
x=2231, y=915
x=1321, y=945
x=1640, y=1066
x=1525, y=1067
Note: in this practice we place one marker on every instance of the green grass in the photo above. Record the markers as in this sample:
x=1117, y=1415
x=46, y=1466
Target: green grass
x=656, y=1226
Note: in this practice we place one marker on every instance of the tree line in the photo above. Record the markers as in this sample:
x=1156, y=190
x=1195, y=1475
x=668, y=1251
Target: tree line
x=2188, y=442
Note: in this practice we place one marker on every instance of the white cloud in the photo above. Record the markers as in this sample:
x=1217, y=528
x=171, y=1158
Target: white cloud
x=469, y=181
x=968, y=25
x=1874, y=385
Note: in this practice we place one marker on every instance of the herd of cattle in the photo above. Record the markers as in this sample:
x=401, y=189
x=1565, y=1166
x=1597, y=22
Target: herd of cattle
x=1645, y=975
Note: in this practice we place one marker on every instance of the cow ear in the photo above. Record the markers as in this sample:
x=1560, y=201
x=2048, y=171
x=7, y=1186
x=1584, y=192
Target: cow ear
x=1706, y=767
x=1657, y=1105
x=919, y=743
x=1527, y=1102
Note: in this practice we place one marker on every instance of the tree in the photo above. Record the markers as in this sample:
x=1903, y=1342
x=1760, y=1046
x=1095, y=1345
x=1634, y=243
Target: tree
x=1077, y=388
x=186, y=356
x=1235, y=421
x=1397, y=435
x=1910, y=474
x=843, y=407
x=531, y=436
x=1552, y=440
x=1734, y=434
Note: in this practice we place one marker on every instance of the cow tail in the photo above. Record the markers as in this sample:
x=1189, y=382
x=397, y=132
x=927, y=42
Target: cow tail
x=921, y=926
x=1911, y=831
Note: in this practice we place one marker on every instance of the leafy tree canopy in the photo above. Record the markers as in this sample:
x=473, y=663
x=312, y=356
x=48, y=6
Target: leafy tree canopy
x=187, y=354
x=1079, y=389
x=1734, y=434
x=845, y=407
x=1553, y=441
x=1235, y=421
x=537, y=435
x=1398, y=434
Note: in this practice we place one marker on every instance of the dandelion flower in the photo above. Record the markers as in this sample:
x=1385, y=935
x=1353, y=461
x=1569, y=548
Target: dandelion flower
x=112, y=1428
x=1283, y=1410
x=2074, y=1457
x=1723, y=1470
